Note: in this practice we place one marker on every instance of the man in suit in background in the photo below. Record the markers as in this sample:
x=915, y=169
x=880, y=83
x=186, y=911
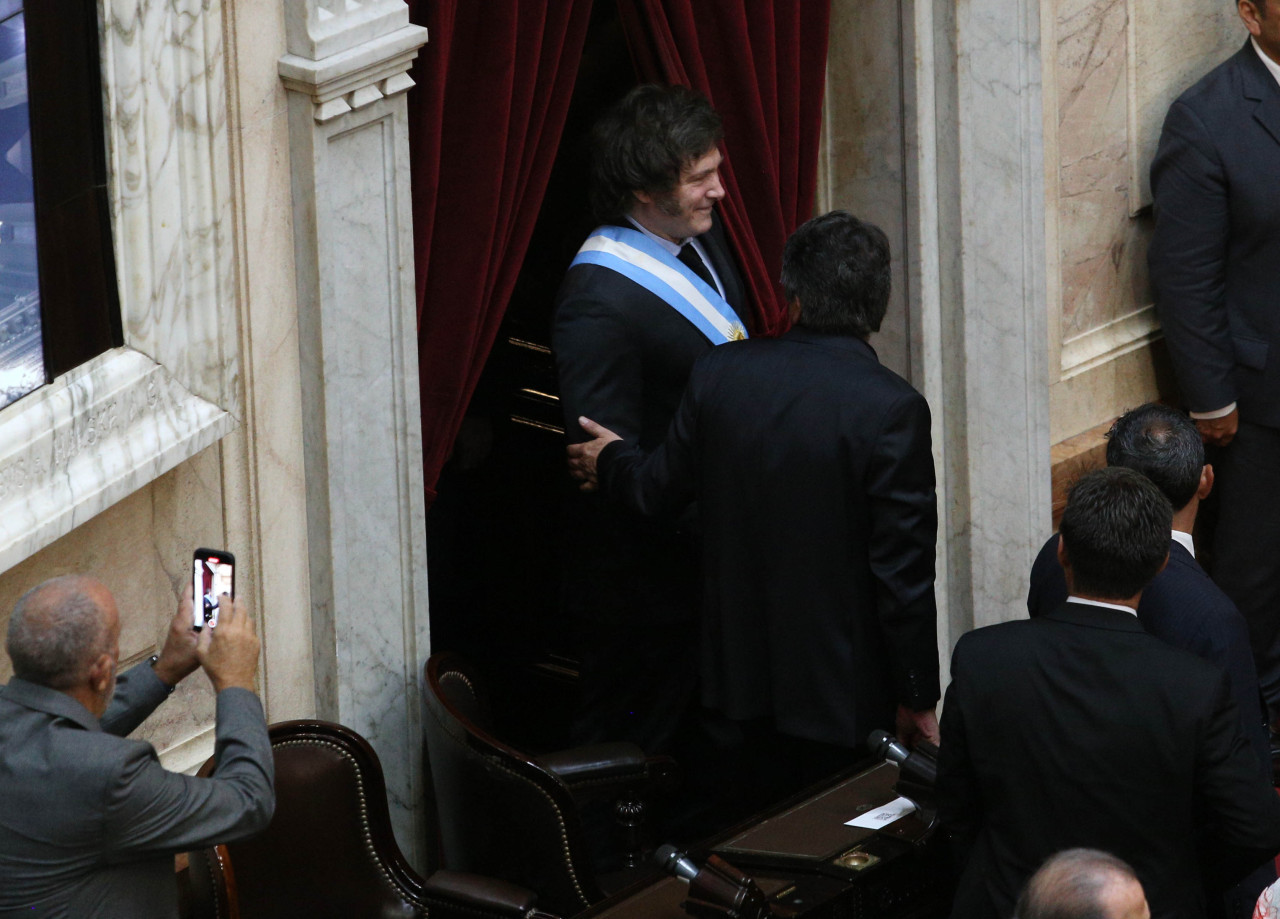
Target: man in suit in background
x=1213, y=262
x=812, y=468
x=1181, y=605
x=1083, y=884
x=652, y=289
x=1077, y=728
x=89, y=821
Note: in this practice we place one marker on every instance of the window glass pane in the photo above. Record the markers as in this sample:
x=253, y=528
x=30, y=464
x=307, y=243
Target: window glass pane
x=21, y=346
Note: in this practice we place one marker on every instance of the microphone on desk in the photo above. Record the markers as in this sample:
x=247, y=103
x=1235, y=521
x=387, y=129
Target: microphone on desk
x=916, y=766
x=675, y=863
x=886, y=746
x=717, y=890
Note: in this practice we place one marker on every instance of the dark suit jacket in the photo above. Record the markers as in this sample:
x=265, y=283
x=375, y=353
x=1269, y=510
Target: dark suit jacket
x=623, y=357
x=814, y=477
x=1185, y=608
x=1216, y=247
x=90, y=822
x=1077, y=728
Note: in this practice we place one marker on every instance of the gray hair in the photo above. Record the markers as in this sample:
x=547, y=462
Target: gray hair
x=1072, y=885
x=56, y=631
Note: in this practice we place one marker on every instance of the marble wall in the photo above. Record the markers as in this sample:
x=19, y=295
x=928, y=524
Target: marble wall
x=1112, y=68
x=191, y=433
x=934, y=130
x=1002, y=144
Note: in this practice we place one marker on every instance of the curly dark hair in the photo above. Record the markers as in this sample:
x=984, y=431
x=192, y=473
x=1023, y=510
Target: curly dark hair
x=644, y=141
x=837, y=266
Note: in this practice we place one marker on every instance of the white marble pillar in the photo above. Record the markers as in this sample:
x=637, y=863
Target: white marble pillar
x=934, y=131
x=357, y=331
x=979, y=208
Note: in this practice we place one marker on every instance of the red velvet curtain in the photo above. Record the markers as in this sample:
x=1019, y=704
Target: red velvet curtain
x=494, y=83
x=763, y=66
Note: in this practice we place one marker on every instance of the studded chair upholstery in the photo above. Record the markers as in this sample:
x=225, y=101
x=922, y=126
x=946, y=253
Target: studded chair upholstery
x=329, y=852
x=514, y=816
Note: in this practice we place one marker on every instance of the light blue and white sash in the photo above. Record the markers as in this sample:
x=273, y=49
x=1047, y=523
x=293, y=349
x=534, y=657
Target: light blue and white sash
x=634, y=255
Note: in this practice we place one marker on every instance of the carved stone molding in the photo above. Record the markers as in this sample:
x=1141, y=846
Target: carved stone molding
x=89, y=439
x=347, y=54
x=317, y=29
x=109, y=427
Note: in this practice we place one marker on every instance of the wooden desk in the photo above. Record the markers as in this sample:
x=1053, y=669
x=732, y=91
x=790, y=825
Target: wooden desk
x=810, y=864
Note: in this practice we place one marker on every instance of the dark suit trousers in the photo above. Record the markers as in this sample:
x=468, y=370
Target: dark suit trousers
x=1246, y=547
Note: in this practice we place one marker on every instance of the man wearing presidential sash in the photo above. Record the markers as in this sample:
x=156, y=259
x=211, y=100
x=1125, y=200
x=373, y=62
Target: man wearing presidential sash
x=813, y=472
x=653, y=288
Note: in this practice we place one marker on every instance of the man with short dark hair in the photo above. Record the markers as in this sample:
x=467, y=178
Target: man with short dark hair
x=653, y=288
x=812, y=469
x=89, y=821
x=1213, y=259
x=1077, y=728
x=1083, y=884
x=1181, y=605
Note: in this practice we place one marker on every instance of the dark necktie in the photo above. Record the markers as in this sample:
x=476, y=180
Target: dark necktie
x=694, y=263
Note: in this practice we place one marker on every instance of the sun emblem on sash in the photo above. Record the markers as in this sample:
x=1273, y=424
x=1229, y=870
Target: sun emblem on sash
x=737, y=332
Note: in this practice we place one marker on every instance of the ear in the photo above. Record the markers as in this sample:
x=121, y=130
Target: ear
x=794, y=311
x=642, y=196
x=1065, y=561
x=1248, y=10
x=1206, y=482
x=100, y=673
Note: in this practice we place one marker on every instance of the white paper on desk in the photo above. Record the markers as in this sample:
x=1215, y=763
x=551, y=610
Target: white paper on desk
x=883, y=815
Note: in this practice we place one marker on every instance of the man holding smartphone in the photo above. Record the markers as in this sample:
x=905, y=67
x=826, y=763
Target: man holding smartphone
x=90, y=821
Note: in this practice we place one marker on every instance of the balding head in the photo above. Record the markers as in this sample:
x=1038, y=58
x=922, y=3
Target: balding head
x=1083, y=884
x=59, y=629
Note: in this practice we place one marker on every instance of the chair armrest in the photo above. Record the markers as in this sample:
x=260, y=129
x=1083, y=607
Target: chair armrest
x=473, y=894
x=606, y=763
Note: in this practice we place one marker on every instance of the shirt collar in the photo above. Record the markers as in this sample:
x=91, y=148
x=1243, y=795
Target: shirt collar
x=673, y=248
x=1124, y=609
x=50, y=701
x=1185, y=540
x=1271, y=65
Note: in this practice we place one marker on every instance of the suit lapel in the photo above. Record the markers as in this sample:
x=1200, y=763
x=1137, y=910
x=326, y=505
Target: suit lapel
x=1259, y=85
x=1268, y=115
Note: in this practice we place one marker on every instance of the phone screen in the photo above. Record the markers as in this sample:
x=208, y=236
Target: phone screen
x=212, y=575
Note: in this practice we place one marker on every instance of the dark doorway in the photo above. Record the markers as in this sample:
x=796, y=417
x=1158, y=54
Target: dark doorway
x=495, y=533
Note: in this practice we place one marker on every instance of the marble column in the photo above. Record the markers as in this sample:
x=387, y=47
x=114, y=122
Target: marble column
x=934, y=131
x=345, y=71
x=979, y=210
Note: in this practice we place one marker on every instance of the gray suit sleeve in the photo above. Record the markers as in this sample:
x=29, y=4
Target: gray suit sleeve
x=151, y=810
x=138, y=692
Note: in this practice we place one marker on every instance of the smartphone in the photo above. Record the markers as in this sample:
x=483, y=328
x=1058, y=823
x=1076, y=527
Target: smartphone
x=213, y=573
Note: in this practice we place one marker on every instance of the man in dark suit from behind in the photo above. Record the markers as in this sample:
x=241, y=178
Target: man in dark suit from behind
x=89, y=820
x=1181, y=605
x=1078, y=728
x=623, y=354
x=812, y=468
x=1213, y=261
